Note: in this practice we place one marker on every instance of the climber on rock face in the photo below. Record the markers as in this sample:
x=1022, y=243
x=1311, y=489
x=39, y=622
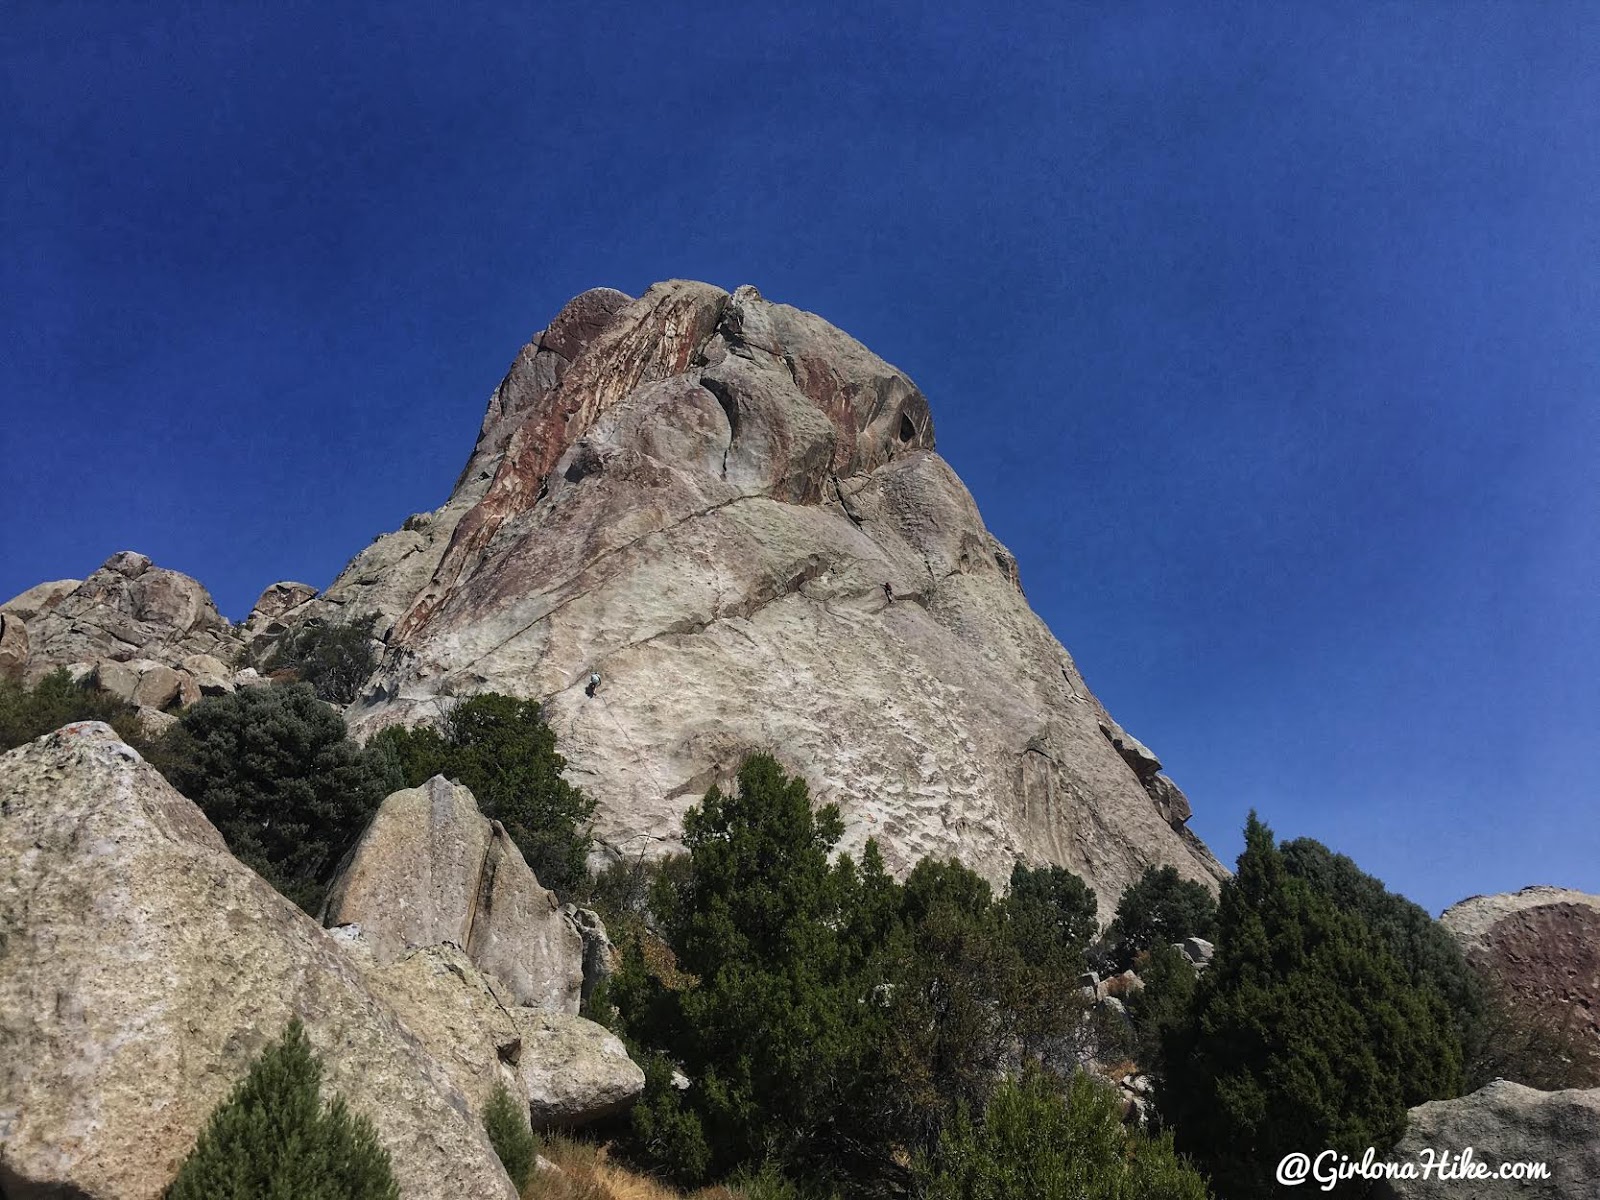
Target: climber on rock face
x=594, y=683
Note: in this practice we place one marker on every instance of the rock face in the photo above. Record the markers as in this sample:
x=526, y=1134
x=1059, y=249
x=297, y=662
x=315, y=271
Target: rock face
x=572, y=1070
x=734, y=513
x=13, y=646
x=1506, y=1123
x=432, y=869
x=1542, y=943
x=142, y=968
x=128, y=609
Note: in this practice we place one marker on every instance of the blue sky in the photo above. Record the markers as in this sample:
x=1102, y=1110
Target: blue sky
x=1265, y=335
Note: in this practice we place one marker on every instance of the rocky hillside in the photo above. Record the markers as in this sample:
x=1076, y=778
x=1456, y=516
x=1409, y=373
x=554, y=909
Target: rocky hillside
x=734, y=513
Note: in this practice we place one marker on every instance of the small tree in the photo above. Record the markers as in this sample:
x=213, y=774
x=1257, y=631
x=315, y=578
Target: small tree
x=506, y=1123
x=1039, y=1142
x=1160, y=908
x=273, y=1137
x=274, y=772
x=502, y=749
x=335, y=658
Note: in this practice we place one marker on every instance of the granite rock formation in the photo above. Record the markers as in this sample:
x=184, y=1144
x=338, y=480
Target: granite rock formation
x=432, y=869
x=735, y=514
x=142, y=968
x=1504, y=1123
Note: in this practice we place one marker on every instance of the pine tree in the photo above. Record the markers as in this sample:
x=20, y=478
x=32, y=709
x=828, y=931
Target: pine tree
x=272, y=1139
x=1305, y=1033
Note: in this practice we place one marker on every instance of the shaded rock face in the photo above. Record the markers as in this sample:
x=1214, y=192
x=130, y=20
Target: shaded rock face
x=1506, y=1123
x=734, y=513
x=142, y=969
x=1542, y=944
x=432, y=869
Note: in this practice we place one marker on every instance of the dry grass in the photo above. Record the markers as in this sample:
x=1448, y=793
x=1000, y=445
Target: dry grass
x=584, y=1171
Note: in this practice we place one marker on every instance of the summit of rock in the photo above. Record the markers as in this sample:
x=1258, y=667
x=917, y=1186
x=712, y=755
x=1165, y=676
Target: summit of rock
x=735, y=514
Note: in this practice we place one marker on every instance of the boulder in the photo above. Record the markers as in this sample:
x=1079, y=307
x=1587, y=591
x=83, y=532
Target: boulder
x=431, y=868
x=158, y=686
x=1542, y=945
x=1197, y=950
x=13, y=646
x=211, y=675
x=573, y=1070
x=570, y=1070
x=459, y=1015
x=40, y=598
x=1504, y=1123
x=142, y=969
x=120, y=679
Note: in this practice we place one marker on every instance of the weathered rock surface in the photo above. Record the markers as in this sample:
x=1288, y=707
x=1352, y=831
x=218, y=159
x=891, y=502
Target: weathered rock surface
x=13, y=646
x=1542, y=944
x=127, y=609
x=1506, y=1123
x=40, y=598
x=142, y=968
x=734, y=512
x=462, y=1020
x=600, y=956
x=572, y=1070
x=431, y=868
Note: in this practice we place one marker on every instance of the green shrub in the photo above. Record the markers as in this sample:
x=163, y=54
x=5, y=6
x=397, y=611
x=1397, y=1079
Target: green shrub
x=273, y=1137
x=502, y=749
x=1160, y=908
x=1305, y=1030
x=334, y=658
x=30, y=712
x=1038, y=1141
x=506, y=1123
x=274, y=772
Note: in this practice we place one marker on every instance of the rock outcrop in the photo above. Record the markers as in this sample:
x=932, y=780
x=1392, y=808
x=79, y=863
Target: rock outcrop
x=1541, y=944
x=128, y=609
x=734, y=513
x=142, y=968
x=432, y=869
x=1504, y=1123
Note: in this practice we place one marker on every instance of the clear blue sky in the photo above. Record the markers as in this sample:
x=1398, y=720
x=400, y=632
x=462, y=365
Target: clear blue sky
x=1267, y=336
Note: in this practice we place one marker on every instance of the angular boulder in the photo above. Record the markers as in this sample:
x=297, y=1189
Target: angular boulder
x=1504, y=1123
x=431, y=869
x=142, y=968
x=569, y=1070
x=572, y=1070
